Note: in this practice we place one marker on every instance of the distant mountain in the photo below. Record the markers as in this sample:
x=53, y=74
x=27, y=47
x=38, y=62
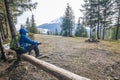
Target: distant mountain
x=52, y=26
x=55, y=24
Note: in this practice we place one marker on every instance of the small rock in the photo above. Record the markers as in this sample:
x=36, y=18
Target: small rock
x=11, y=56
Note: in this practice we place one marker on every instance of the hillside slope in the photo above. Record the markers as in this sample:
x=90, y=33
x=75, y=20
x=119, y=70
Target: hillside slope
x=97, y=61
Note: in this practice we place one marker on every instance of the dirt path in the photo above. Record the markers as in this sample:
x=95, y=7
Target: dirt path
x=97, y=61
x=92, y=60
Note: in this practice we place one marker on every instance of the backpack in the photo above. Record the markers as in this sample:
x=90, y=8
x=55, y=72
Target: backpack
x=14, y=44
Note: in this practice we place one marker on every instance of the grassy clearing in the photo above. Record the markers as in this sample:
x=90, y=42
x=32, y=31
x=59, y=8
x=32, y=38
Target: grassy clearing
x=112, y=45
x=80, y=43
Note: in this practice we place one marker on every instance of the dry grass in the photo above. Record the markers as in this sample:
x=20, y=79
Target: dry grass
x=97, y=61
x=76, y=55
x=112, y=45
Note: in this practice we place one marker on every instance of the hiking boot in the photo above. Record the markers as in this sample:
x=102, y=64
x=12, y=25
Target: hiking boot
x=39, y=56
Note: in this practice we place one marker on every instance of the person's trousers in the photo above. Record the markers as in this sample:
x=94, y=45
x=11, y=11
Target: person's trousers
x=35, y=48
x=29, y=49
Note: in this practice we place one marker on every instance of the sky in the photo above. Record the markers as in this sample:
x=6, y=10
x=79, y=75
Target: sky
x=48, y=10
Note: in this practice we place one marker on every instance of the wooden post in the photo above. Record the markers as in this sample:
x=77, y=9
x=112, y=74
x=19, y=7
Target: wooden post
x=58, y=72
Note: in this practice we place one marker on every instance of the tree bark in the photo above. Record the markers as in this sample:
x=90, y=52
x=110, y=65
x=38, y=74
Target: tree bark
x=118, y=24
x=3, y=57
x=104, y=25
x=1, y=32
x=10, y=19
x=98, y=25
x=6, y=24
x=103, y=36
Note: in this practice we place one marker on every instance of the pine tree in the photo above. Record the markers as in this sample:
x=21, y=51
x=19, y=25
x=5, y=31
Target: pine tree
x=117, y=2
x=56, y=32
x=106, y=15
x=22, y=26
x=89, y=15
x=33, y=25
x=68, y=22
x=98, y=16
x=19, y=6
x=28, y=25
x=80, y=31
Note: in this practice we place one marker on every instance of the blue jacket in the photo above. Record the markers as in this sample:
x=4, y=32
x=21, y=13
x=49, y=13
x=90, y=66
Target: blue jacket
x=25, y=40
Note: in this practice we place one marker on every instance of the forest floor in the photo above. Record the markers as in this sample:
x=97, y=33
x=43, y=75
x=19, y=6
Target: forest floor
x=97, y=61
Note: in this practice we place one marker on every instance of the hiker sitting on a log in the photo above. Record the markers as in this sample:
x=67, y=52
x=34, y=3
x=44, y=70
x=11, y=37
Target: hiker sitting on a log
x=27, y=44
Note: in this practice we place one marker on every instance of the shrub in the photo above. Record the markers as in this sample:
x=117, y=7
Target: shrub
x=31, y=35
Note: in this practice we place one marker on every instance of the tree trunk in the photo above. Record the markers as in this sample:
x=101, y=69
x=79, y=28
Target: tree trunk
x=103, y=33
x=3, y=57
x=6, y=24
x=118, y=24
x=104, y=25
x=117, y=31
x=1, y=31
x=10, y=19
x=90, y=33
x=100, y=31
x=98, y=37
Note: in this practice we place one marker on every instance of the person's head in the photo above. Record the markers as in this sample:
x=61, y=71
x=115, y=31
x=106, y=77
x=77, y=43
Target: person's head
x=23, y=31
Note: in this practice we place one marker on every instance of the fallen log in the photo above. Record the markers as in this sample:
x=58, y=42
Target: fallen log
x=58, y=72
